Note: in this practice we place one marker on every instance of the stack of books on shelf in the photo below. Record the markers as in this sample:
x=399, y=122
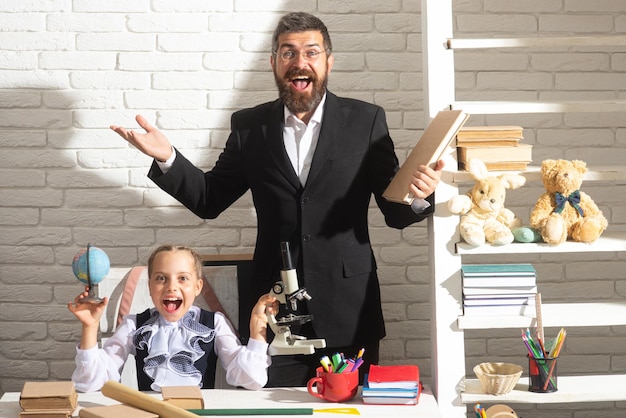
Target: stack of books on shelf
x=498, y=147
x=48, y=400
x=398, y=385
x=499, y=289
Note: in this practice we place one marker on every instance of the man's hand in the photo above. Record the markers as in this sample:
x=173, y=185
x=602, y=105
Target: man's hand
x=153, y=143
x=425, y=180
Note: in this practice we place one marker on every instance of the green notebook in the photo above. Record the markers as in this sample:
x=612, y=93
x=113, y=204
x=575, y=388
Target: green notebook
x=472, y=270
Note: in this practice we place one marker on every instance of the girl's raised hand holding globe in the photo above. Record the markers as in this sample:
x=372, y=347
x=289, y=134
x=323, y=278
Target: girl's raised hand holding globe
x=89, y=315
x=90, y=265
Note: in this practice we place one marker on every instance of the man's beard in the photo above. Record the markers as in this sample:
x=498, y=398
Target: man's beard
x=300, y=102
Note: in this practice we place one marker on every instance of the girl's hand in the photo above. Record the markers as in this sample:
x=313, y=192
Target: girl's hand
x=258, y=319
x=88, y=314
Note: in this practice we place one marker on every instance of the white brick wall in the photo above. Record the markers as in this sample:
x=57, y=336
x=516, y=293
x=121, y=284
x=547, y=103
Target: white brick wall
x=69, y=69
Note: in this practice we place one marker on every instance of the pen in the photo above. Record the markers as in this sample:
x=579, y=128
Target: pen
x=543, y=349
x=529, y=347
x=534, y=351
x=478, y=410
x=556, y=350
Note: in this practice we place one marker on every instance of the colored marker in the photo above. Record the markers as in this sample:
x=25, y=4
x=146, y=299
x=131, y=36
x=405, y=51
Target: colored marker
x=342, y=368
x=357, y=364
x=336, y=360
x=325, y=361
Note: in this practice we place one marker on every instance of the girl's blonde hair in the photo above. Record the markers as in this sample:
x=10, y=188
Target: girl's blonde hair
x=163, y=248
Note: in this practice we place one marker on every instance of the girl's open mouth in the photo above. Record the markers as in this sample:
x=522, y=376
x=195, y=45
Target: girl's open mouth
x=172, y=304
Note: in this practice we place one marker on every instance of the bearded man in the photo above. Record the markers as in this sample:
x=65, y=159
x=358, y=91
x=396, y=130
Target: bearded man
x=312, y=162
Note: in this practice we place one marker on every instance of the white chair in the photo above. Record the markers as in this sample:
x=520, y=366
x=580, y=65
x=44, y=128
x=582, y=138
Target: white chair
x=119, y=289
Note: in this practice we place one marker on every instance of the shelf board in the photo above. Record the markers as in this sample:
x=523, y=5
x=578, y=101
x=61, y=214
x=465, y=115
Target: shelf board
x=585, y=314
x=590, y=388
x=533, y=174
x=528, y=42
x=478, y=107
x=609, y=241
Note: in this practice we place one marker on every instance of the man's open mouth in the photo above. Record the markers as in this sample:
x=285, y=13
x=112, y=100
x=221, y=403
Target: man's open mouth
x=300, y=83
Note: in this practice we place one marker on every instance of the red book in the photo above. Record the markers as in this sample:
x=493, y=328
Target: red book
x=401, y=376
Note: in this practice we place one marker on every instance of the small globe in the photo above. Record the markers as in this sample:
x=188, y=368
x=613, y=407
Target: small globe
x=99, y=265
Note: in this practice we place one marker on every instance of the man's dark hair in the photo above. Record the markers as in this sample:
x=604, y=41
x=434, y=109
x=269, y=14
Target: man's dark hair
x=301, y=22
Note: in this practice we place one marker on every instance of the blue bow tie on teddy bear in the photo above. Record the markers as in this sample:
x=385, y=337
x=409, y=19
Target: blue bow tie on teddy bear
x=573, y=199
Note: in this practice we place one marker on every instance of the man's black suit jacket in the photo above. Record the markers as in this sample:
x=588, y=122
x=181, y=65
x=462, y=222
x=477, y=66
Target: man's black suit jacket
x=325, y=222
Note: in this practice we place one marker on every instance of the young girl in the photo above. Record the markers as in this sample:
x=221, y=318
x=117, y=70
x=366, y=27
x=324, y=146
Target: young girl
x=174, y=343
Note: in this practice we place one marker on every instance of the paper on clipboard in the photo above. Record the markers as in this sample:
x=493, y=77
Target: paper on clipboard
x=429, y=148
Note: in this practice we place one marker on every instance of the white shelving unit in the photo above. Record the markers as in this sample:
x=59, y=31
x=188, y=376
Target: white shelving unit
x=450, y=386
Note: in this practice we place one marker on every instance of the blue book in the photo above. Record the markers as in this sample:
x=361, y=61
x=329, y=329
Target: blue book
x=390, y=396
x=388, y=392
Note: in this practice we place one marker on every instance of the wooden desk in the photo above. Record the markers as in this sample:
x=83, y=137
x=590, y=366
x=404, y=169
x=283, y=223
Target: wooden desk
x=265, y=398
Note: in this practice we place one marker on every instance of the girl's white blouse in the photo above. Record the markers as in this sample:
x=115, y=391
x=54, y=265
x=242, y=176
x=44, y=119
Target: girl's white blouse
x=245, y=365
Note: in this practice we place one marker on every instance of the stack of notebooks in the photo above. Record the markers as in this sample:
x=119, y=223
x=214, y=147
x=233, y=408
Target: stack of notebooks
x=498, y=289
x=48, y=400
x=398, y=385
x=498, y=147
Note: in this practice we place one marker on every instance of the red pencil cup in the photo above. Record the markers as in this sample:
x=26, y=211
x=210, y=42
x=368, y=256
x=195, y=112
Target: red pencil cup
x=334, y=387
x=542, y=374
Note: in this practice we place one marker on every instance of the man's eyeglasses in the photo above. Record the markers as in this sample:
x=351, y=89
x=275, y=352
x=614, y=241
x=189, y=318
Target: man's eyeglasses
x=310, y=55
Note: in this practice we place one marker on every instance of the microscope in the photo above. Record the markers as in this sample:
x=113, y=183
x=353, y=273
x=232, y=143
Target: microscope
x=288, y=293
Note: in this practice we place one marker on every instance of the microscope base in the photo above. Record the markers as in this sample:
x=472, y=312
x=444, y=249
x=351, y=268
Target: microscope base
x=280, y=347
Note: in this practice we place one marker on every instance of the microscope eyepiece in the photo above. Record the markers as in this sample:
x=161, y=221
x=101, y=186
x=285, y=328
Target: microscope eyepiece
x=286, y=255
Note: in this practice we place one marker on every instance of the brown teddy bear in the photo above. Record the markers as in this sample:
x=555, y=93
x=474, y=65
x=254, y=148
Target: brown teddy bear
x=563, y=211
x=483, y=215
